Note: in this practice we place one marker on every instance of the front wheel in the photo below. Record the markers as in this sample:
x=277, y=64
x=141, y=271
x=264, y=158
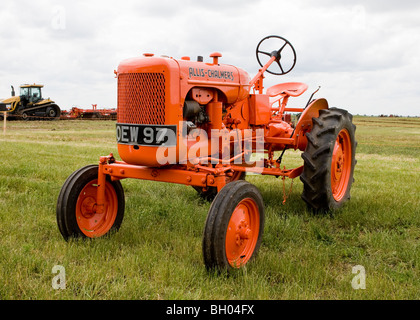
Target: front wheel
x=234, y=227
x=76, y=205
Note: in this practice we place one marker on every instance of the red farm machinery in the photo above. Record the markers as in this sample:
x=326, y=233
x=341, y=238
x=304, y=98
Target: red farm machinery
x=93, y=114
x=201, y=124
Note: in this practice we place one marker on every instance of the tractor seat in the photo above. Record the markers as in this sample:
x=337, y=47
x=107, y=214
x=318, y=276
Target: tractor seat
x=292, y=89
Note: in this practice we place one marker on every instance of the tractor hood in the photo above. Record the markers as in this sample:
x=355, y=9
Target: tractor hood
x=10, y=100
x=183, y=74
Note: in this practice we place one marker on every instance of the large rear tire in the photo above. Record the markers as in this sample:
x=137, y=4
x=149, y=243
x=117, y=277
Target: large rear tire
x=234, y=227
x=53, y=112
x=76, y=205
x=329, y=160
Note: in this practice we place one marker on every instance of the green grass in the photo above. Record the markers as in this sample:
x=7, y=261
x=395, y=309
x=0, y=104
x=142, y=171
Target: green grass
x=157, y=252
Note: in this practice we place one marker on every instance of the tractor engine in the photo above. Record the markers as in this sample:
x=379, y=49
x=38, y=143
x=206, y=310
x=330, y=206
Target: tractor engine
x=161, y=99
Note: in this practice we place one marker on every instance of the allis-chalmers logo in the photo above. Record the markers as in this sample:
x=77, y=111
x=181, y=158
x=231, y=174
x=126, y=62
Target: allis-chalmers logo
x=210, y=73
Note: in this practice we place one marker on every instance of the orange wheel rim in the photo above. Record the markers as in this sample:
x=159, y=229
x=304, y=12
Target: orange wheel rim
x=91, y=223
x=341, y=165
x=242, y=232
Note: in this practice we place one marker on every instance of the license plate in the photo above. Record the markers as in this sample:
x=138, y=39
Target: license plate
x=146, y=135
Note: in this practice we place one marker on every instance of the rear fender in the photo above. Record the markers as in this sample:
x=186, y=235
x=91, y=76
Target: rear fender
x=304, y=124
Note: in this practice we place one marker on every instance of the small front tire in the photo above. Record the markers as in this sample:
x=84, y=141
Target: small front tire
x=234, y=227
x=76, y=205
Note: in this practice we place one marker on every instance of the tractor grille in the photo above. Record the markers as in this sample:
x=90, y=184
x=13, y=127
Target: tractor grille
x=141, y=98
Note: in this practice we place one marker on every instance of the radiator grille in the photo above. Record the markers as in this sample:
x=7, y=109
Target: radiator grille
x=141, y=98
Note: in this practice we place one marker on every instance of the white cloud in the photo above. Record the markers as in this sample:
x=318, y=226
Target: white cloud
x=365, y=56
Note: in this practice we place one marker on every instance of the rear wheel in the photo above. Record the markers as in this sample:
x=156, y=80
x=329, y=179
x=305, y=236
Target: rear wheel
x=76, y=205
x=53, y=112
x=329, y=160
x=234, y=227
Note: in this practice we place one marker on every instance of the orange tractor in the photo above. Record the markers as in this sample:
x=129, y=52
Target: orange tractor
x=201, y=124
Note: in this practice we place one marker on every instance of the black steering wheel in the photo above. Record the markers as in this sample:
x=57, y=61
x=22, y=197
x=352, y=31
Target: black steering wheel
x=285, y=45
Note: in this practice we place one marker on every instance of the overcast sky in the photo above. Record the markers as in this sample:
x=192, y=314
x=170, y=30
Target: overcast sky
x=365, y=55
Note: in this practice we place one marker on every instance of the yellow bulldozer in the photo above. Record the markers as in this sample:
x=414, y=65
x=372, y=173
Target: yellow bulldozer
x=29, y=105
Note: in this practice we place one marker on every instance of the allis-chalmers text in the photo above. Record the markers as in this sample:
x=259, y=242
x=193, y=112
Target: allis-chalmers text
x=210, y=73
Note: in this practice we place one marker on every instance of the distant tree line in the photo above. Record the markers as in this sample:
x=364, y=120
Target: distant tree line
x=388, y=116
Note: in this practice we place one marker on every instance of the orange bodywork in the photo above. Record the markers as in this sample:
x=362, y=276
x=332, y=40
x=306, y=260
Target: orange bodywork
x=153, y=91
x=158, y=95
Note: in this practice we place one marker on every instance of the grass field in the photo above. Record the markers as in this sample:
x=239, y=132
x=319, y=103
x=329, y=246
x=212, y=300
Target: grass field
x=157, y=252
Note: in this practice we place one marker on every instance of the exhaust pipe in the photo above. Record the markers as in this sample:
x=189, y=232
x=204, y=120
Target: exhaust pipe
x=13, y=91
